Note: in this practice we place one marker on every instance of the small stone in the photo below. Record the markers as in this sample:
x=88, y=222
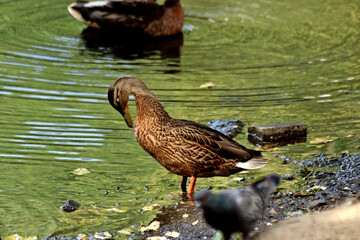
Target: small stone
x=70, y=206
x=274, y=220
x=316, y=203
x=272, y=212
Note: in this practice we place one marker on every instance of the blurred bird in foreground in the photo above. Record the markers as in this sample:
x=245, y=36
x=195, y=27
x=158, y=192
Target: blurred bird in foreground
x=237, y=210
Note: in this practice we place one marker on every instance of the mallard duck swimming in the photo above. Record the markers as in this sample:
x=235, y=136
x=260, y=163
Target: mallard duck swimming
x=183, y=147
x=139, y=17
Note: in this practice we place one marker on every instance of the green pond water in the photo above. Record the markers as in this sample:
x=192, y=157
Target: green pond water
x=270, y=62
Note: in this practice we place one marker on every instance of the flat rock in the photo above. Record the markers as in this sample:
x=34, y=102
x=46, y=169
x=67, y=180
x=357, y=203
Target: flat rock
x=316, y=203
x=339, y=223
x=281, y=133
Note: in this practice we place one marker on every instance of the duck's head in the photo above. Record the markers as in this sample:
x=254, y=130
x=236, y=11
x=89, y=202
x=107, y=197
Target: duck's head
x=119, y=92
x=118, y=96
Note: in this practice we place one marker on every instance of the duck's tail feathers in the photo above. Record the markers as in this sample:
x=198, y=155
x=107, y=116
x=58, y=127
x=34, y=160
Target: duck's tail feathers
x=253, y=163
x=74, y=10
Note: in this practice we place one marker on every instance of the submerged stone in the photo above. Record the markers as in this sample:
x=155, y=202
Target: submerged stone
x=230, y=128
x=70, y=206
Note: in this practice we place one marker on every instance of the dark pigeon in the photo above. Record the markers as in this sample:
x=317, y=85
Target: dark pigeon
x=237, y=210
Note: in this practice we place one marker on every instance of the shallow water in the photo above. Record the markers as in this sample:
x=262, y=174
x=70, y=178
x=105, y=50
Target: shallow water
x=270, y=62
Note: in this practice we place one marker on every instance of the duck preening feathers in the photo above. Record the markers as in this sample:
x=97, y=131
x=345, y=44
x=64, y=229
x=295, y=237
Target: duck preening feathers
x=131, y=16
x=183, y=147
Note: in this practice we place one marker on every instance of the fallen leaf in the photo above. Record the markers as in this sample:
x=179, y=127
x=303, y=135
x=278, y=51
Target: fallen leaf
x=150, y=207
x=31, y=238
x=156, y=238
x=172, y=234
x=322, y=140
x=126, y=231
x=103, y=235
x=81, y=236
x=185, y=215
x=114, y=209
x=207, y=85
x=80, y=171
x=316, y=188
x=194, y=223
x=14, y=237
x=152, y=226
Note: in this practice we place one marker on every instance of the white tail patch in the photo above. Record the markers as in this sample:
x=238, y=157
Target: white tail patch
x=76, y=14
x=96, y=4
x=254, y=163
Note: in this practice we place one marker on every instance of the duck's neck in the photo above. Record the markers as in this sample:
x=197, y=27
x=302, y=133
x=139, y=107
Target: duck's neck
x=149, y=109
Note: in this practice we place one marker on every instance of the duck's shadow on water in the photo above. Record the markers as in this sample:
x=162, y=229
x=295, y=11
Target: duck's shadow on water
x=132, y=46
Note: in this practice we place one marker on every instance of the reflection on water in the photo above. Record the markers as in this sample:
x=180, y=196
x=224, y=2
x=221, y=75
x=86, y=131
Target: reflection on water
x=270, y=62
x=132, y=47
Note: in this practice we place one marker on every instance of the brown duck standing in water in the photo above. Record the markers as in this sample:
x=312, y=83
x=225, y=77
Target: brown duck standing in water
x=183, y=147
x=137, y=17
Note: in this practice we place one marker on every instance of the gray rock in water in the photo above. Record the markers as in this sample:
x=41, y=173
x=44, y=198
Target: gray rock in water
x=237, y=210
x=70, y=206
x=230, y=128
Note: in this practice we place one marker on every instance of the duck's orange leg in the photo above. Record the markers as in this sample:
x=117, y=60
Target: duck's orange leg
x=183, y=184
x=192, y=184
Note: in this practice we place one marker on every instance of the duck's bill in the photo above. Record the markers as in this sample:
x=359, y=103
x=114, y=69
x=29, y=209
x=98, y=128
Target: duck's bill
x=127, y=116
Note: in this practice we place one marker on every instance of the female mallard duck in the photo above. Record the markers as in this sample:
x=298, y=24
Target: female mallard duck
x=183, y=147
x=140, y=17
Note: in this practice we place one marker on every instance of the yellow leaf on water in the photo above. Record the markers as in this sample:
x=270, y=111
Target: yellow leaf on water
x=207, y=85
x=80, y=171
x=172, y=234
x=126, y=231
x=114, y=209
x=14, y=237
x=150, y=207
x=152, y=226
x=322, y=140
x=103, y=235
x=156, y=238
x=31, y=238
x=81, y=236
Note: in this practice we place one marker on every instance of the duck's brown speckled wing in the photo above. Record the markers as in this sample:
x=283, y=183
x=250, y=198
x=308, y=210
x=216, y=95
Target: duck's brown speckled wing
x=217, y=144
x=127, y=14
